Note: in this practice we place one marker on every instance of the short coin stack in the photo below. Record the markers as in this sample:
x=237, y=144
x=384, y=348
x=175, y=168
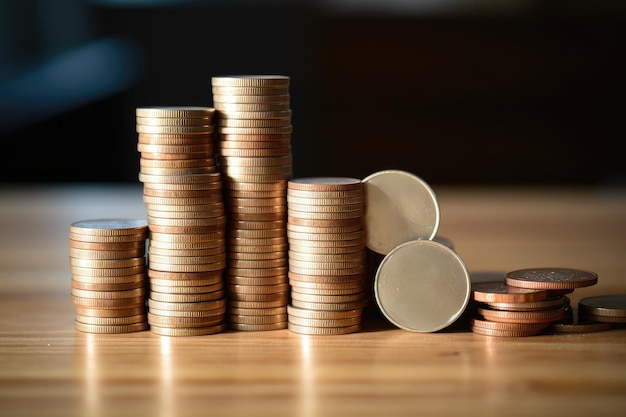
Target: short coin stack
x=327, y=269
x=603, y=308
x=108, y=267
x=186, y=220
x=527, y=302
x=254, y=132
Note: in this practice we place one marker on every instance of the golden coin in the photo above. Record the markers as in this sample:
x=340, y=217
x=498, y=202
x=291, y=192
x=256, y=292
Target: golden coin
x=267, y=241
x=323, y=315
x=109, y=227
x=326, y=291
x=269, y=280
x=216, y=313
x=284, y=296
x=184, y=306
x=177, y=139
x=170, y=248
x=336, y=202
x=199, y=129
x=253, y=123
x=176, y=163
x=261, y=80
x=336, y=285
x=189, y=230
x=187, y=331
x=322, y=215
x=251, y=131
x=177, y=156
x=186, y=283
x=141, y=237
x=213, y=177
x=258, y=289
x=257, y=233
x=200, y=222
x=111, y=312
x=257, y=263
x=96, y=286
x=109, y=295
x=218, y=99
x=317, y=230
x=256, y=304
x=269, y=171
x=179, y=171
x=247, y=107
x=108, y=303
x=187, y=298
x=181, y=289
x=249, y=90
x=328, y=279
x=255, y=152
x=494, y=292
x=551, y=278
x=279, y=161
x=255, y=186
x=260, y=140
x=323, y=223
x=256, y=202
x=156, y=238
x=211, y=186
x=213, y=210
x=174, y=322
x=240, y=319
x=339, y=299
x=306, y=322
x=263, y=272
x=244, y=248
x=539, y=316
x=173, y=121
x=257, y=311
x=256, y=225
x=352, y=305
x=176, y=276
x=352, y=208
x=128, y=271
x=325, y=184
x=254, y=194
x=109, y=280
x=330, y=194
x=122, y=328
x=175, y=149
x=261, y=178
x=181, y=201
x=322, y=236
x=115, y=246
x=257, y=217
x=324, y=330
x=357, y=244
x=258, y=327
x=281, y=208
x=169, y=267
x=188, y=260
x=106, y=254
x=295, y=265
x=187, y=112
x=111, y=321
x=208, y=252
x=107, y=263
x=275, y=114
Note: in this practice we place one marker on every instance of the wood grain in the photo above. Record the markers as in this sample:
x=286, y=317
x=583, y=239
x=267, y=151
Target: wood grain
x=49, y=369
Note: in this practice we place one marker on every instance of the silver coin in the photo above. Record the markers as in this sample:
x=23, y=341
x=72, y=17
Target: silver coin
x=422, y=286
x=399, y=207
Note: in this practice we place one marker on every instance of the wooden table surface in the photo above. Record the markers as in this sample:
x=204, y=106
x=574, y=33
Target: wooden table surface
x=47, y=368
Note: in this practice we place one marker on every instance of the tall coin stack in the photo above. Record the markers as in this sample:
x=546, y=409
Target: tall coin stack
x=108, y=267
x=327, y=255
x=186, y=220
x=254, y=132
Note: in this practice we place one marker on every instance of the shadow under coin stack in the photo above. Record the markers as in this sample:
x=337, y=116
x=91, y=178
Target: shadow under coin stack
x=254, y=132
x=327, y=268
x=527, y=302
x=186, y=220
x=108, y=267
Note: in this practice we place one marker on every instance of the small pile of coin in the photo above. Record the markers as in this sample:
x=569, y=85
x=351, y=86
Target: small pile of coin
x=186, y=220
x=108, y=267
x=327, y=255
x=254, y=131
x=603, y=308
x=528, y=302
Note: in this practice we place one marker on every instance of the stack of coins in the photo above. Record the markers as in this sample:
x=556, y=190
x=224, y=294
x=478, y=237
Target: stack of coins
x=108, y=267
x=254, y=132
x=528, y=302
x=609, y=309
x=327, y=268
x=186, y=220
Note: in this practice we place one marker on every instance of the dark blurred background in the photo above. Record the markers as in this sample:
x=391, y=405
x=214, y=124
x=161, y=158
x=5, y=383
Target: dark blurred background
x=455, y=91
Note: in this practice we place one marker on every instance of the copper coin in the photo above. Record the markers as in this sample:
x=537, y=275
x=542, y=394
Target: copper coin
x=324, y=330
x=551, y=278
x=258, y=327
x=110, y=312
x=604, y=305
x=575, y=324
x=122, y=328
x=540, y=316
x=501, y=293
x=323, y=315
x=326, y=323
x=187, y=331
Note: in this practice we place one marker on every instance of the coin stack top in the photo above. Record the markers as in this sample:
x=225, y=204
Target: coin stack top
x=254, y=131
x=108, y=267
x=186, y=220
x=327, y=270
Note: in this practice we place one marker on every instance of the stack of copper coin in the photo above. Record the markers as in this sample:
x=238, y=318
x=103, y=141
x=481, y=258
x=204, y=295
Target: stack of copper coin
x=527, y=302
x=609, y=309
x=327, y=268
x=108, y=267
x=254, y=132
x=186, y=219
